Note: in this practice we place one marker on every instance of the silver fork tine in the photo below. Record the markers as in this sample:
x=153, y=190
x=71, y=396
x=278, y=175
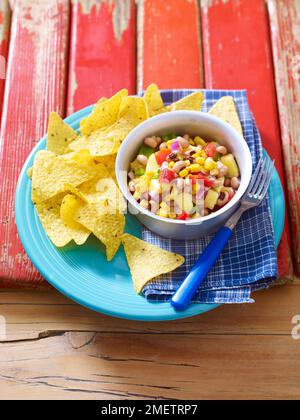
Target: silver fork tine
x=254, y=177
x=266, y=175
x=267, y=182
x=258, y=178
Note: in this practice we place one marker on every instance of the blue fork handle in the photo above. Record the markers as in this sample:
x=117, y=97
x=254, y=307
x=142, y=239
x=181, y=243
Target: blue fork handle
x=198, y=273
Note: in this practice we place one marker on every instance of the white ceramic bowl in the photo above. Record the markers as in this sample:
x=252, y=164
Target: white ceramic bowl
x=194, y=123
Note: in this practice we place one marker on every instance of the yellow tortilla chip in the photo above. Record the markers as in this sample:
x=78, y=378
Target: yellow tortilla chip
x=147, y=261
x=59, y=135
x=108, y=192
x=98, y=144
x=69, y=206
x=191, y=102
x=133, y=110
x=107, y=227
x=225, y=109
x=154, y=101
x=84, y=120
x=110, y=164
x=49, y=215
x=104, y=114
x=107, y=141
x=51, y=173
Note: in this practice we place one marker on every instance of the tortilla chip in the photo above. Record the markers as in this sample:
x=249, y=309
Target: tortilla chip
x=49, y=215
x=104, y=114
x=70, y=205
x=154, y=101
x=147, y=261
x=59, y=135
x=191, y=102
x=98, y=144
x=133, y=110
x=110, y=164
x=51, y=173
x=225, y=109
x=107, y=227
x=108, y=192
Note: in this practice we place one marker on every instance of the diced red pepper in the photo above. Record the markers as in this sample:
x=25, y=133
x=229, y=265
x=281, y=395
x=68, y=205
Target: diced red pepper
x=162, y=155
x=166, y=176
x=210, y=150
x=183, y=216
x=208, y=182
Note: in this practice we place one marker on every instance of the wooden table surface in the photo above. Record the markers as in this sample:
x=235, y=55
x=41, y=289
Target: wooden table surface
x=65, y=56
x=55, y=349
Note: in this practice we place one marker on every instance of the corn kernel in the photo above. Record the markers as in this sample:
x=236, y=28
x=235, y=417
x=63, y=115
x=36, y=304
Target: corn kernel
x=137, y=195
x=164, y=206
x=195, y=168
x=196, y=215
x=162, y=213
x=144, y=203
x=199, y=141
x=172, y=216
x=169, y=143
x=171, y=164
x=184, y=173
x=196, y=155
x=200, y=160
x=214, y=172
x=187, y=162
x=196, y=187
x=203, y=154
x=210, y=164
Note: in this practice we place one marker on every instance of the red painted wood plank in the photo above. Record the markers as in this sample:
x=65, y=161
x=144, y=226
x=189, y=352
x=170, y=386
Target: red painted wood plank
x=35, y=85
x=285, y=24
x=5, y=13
x=237, y=51
x=169, y=44
x=103, y=50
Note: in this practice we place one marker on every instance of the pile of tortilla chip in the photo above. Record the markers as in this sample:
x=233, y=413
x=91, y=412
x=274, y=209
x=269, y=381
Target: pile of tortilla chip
x=74, y=187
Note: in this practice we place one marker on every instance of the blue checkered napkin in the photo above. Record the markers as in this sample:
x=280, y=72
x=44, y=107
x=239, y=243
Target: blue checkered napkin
x=249, y=261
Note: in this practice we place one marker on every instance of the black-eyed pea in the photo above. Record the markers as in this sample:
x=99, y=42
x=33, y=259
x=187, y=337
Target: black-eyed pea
x=222, y=150
x=179, y=166
x=223, y=198
x=184, y=143
x=151, y=142
x=235, y=183
x=142, y=159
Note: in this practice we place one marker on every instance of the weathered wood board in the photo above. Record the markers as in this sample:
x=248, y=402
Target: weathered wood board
x=102, y=51
x=285, y=29
x=35, y=85
x=238, y=55
x=5, y=17
x=169, y=44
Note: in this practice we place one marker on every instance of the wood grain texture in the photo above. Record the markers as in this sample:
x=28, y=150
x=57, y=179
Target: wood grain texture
x=35, y=85
x=271, y=314
x=5, y=16
x=238, y=55
x=169, y=44
x=285, y=25
x=103, y=50
x=142, y=366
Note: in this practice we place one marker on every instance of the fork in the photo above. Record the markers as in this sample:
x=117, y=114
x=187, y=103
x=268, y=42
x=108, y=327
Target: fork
x=253, y=197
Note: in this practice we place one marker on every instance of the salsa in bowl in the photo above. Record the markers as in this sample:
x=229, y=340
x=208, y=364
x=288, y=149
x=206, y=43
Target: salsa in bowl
x=183, y=177
x=155, y=174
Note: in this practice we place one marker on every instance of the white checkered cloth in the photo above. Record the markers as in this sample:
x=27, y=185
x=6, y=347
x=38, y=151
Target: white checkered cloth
x=249, y=262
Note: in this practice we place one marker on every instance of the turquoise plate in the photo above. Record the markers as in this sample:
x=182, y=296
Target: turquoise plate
x=84, y=275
